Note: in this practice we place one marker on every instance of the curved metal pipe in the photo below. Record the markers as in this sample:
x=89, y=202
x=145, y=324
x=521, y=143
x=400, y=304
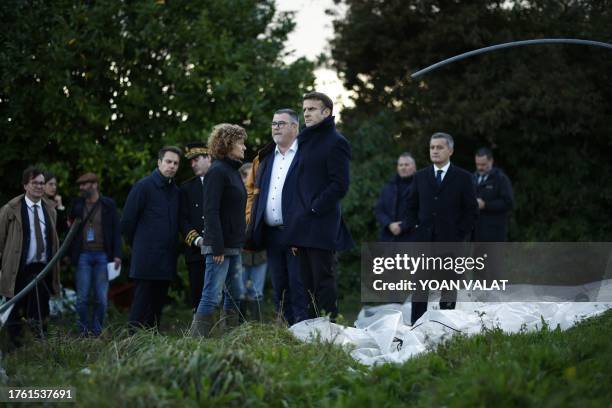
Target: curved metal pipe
x=509, y=45
x=56, y=258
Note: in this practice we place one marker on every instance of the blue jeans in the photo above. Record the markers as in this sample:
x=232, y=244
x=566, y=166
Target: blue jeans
x=91, y=276
x=224, y=278
x=253, y=278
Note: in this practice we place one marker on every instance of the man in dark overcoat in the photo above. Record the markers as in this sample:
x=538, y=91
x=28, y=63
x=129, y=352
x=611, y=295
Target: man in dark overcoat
x=442, y=207
x=150, y=226
x=316, y=229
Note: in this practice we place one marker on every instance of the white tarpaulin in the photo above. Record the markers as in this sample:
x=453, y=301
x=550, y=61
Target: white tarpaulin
x=383, y=333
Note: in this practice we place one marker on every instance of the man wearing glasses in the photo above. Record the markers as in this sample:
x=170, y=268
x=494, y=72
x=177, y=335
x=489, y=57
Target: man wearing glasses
x=28, y=241
x=270, y=196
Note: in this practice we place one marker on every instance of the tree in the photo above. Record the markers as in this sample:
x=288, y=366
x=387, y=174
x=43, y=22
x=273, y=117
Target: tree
x=544, y=110
x=102, y=85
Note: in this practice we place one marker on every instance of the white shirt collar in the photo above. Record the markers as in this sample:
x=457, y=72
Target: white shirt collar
x=293, y=148
x=30, y=203
x=444, y=169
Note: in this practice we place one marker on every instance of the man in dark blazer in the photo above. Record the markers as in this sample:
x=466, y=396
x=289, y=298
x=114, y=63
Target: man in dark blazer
x=271, y=194
x=442, y=207
x=316, y=228
x=150, y=226
x=192, y=218
x=393, y=200
x=495, y=199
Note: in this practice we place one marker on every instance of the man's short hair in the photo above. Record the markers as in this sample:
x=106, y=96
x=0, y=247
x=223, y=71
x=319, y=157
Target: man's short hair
x=407, y=155
x=162, y=152
x=30, y=173
x=292, y=114
x=441, y=135
x=484, y=151
x=319, y=96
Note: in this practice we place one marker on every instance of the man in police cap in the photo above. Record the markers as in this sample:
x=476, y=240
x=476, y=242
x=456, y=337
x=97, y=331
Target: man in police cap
x=192, y=218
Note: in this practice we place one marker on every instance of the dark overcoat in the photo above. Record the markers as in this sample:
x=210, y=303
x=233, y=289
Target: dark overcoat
x=150, y=226
x=322, y=180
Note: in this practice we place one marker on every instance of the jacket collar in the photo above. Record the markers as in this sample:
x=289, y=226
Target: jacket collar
x=450, y=174
x=15, y=203
x=264, y=151
x=490, y=173
x=159, y=180
x=326, y=125
x=397, y=179
x=235, y=164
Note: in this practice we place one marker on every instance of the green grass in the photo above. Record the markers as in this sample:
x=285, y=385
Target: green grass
x=263, y=365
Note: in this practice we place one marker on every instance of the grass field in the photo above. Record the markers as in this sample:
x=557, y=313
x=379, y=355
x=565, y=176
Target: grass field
x=263, y=365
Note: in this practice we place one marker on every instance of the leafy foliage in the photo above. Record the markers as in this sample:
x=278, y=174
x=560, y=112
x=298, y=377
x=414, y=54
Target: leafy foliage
x=102, y=85
x=544, y=110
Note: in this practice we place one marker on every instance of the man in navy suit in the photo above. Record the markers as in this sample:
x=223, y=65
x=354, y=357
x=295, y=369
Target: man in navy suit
x=442, y=207
x=316, y=229
x=393, y=200
x=495, y=199
x=270, y=191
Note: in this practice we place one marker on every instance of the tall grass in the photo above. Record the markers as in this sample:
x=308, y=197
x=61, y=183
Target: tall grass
x=263, y=365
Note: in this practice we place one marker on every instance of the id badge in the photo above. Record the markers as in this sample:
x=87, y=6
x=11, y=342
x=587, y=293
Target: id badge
x=90, y=234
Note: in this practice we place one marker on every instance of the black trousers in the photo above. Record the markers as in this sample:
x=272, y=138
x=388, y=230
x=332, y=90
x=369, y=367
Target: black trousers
x=149, y=300
x=33, y=307
x=318, y=271
x=448, y=298
x=196, y=281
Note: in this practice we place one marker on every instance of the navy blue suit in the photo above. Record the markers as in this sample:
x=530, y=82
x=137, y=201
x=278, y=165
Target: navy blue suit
x=391, y=207
x=284, y=267
x=262, y=184
x=315, y=225
x=496, y=191
x=444, y=213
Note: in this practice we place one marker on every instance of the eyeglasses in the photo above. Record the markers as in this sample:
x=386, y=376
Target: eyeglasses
x=279, y=124
x=37, y=183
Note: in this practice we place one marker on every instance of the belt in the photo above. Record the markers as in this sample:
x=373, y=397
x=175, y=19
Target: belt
x=276, y=227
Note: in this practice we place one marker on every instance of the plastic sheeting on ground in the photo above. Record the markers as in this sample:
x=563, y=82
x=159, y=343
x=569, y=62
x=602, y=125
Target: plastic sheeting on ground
x=65, y=303
x=383, y=333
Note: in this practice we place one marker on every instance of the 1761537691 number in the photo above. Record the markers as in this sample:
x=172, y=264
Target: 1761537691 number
x=8, y=394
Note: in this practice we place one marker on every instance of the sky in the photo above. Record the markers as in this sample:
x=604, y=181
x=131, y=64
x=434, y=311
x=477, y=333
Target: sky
x=310, y=38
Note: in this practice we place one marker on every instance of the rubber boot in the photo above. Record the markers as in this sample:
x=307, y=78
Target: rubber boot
x=201, y=325
x=231, y=319
x=254, y=309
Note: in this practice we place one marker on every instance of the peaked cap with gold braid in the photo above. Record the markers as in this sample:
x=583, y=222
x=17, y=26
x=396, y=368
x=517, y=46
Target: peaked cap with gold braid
x=195, y=149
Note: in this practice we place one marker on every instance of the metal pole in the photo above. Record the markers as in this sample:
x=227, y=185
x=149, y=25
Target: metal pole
x=56, y=258
x=509, y=45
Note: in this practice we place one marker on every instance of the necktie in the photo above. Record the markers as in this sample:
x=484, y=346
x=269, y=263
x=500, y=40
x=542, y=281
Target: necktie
x=439, y=177
x=38, y=234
